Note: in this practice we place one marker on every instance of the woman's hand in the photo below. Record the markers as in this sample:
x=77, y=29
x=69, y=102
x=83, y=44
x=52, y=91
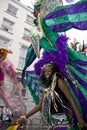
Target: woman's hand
x=23, y=119
x=83, y=126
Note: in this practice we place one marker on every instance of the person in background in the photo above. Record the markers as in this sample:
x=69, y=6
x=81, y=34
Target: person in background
x=6, y=115
x=1, y=112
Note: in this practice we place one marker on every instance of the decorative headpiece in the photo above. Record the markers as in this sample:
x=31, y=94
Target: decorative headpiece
x=59, y=57
x=3, y=54
x=37, y=9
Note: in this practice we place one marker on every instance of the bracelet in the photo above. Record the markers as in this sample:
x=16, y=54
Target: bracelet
x=80, y=125
x=23, y=117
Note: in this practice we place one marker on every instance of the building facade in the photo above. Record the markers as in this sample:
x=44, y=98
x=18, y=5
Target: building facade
x=15, y=22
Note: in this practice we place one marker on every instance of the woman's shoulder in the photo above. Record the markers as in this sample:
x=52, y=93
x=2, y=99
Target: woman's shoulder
x=59, y=76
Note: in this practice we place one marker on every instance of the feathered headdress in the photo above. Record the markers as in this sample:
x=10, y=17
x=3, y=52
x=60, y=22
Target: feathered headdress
x=59, y=57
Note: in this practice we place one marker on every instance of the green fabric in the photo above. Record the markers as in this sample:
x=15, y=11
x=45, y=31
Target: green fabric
x=83, y=77
x=75, y=55
x=34, y=94
x=45, y=45
x=28, y=58
x=83, y=67
x=75, y=98
x=80, y=75
x=50, y=36
x=38, y=0
x=83, y=90
x=67, y=18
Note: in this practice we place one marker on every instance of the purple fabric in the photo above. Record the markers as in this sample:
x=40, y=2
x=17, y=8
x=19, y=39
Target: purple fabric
x=27, y=73
x=46, y=59
x=65, y=26
x=83, y=63
x=69, y=1
x=1, y=76
x=73, y=89
x=31, y=72
x=60, y=27
x=83, y=83
x=30, y=83
x=83, y=71
x=57, y=128
x=80, y=96
x=60, y=57
x=35, y=89
x=62, y=13
x=76, y=8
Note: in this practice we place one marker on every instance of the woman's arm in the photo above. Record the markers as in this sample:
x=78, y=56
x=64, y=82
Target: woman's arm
x=68, y=95
x=36, y=108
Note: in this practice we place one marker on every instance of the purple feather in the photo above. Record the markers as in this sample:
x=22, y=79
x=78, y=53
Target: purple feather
x=60, y=57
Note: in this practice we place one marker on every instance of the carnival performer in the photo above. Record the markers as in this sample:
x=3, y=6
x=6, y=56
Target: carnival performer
x=56, y=101
x=52, y=20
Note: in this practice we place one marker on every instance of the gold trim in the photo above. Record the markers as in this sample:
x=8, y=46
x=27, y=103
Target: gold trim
x=52, y=88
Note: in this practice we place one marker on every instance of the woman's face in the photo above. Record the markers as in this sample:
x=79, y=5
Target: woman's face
x=47, y=72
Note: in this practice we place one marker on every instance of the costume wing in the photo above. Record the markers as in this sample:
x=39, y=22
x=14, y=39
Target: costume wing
x=34, y=85
x=30, y=57
x=77, y=79
x=66, y=17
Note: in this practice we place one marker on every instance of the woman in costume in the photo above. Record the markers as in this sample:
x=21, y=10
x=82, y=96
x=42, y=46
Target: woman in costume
x=72, y=64
x=56, y=101
x=9, y=85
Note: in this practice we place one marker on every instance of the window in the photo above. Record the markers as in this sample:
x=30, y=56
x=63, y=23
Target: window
x=22, y=57
x=26, y=34
x=12, y=10
x=7, y=25
x=4, y=42
x=29, y=19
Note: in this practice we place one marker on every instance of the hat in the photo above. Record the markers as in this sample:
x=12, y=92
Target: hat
x=3, y=53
